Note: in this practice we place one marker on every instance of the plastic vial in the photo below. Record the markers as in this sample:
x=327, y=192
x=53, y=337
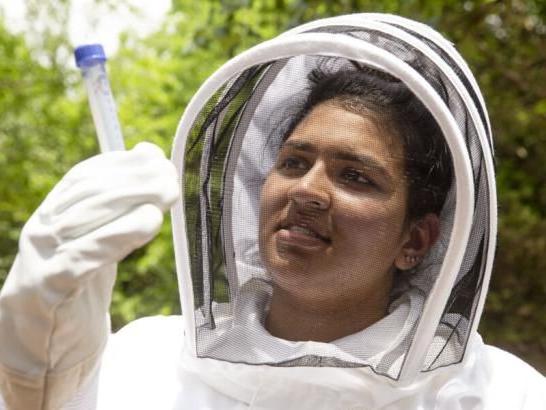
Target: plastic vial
x=90, y=59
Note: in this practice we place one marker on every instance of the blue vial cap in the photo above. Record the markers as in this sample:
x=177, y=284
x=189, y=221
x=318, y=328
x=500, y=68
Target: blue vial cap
x=89, y=55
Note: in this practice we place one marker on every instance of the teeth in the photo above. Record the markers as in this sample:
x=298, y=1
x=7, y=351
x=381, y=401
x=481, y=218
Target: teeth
x=297, y=228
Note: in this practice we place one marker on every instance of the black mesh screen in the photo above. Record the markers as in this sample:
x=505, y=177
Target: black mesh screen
x=203, y=194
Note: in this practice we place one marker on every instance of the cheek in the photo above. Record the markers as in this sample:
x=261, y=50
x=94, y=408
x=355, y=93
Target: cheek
x=272, y=197
x=370, y=222
x=265, y=201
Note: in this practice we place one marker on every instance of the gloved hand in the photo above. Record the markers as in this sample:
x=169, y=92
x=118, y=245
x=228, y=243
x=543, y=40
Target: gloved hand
x=54, y=304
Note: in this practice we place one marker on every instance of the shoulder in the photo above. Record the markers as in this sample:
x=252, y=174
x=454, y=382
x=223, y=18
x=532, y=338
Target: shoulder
x=512, y=382
x=150, y=341
x=140, y=363
x=151, y=330
x=507, y=363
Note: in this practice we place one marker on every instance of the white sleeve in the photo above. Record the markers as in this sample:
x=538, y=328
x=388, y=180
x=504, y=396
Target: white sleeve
x=84, y=399
x=137, y=369
x=54, y=303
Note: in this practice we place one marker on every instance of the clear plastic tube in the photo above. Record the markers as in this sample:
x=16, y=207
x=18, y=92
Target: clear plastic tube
x=91, y=59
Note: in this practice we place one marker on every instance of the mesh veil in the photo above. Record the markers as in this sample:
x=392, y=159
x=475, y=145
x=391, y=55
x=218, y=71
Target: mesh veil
x=231, y=145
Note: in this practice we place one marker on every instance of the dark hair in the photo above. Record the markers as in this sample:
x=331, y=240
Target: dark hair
x=364, y=90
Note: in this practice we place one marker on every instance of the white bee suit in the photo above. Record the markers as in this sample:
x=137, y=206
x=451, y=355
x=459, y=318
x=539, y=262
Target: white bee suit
x=425, y=354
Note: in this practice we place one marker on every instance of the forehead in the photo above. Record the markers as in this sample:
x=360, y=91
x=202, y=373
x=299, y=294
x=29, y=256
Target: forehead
x=330, y=127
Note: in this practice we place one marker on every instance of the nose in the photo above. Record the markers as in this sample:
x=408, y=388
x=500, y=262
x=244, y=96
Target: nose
x=311, y=190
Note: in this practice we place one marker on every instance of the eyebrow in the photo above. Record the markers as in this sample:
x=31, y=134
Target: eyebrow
x=344, y=155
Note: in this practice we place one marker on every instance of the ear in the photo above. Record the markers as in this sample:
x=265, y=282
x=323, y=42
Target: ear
x=422, y=234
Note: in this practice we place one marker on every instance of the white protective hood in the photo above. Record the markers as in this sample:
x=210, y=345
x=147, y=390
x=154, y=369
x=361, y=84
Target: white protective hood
x=223, y=152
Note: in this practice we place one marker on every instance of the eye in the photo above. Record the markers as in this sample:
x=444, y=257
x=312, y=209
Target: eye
x=292, y=163
x=355, y=177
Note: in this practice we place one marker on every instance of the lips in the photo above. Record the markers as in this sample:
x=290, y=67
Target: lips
x=303, y=234
x=303, y=229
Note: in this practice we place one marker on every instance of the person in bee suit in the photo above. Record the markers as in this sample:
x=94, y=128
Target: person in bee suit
x=334, y=241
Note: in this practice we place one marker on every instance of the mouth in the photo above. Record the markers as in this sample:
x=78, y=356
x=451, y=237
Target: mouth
x=302, y=234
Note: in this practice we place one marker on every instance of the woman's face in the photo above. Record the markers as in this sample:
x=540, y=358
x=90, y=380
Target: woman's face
x=332, y=209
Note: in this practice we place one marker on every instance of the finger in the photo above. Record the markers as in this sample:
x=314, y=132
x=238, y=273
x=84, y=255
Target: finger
x=140, y=155
x=110, y=243
x=107, y=171
x=97, y=200
x=149, y=148
x=102, y=209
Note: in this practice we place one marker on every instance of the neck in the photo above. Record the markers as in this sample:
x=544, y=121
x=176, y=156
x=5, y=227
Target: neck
x=292, y=317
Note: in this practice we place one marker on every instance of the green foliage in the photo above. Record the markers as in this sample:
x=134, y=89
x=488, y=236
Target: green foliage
x=37, y=143
x=46, y=127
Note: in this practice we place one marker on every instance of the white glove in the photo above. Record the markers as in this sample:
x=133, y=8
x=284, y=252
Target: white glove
x=54, y=304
